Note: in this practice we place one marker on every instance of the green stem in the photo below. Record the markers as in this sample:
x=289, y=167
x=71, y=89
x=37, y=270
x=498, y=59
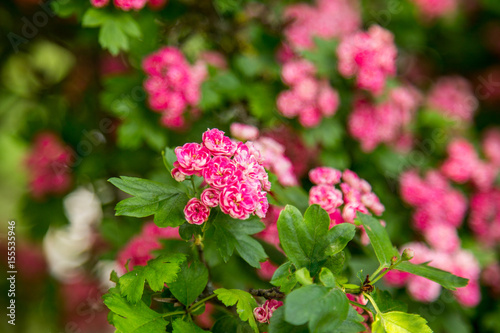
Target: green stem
x=173, y=313
x=373, y=303
x=352, y=291
x=364, y=307
x=194, y=187
x=374, y=275
x=380, y=276
x=196, y=305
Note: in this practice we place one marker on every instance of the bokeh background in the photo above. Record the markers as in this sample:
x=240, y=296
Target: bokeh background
x=404, y=92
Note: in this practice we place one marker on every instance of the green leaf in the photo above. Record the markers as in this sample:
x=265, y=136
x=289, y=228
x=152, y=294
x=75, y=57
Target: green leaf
x=113, y=38
x=400, y=322
x=94, y=17
x=245, y=304
x=338, y=237
x=157, y=272
x=326, y=277
x=190, y=283
x=446, y=279
x=385, y=302
x=279, y=325
x=132, y=318
x=227, y=234
x=353, y=323
x=379, y=239
x=181, y=326
x=231, y=324
x=171, y=211
x=165, y=202
x=303, y=276
x=323, y=308
x=304, y=239
x=284, y=278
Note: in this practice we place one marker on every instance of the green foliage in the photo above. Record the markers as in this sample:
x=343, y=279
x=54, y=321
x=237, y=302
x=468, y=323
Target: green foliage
x=132, y=318
x=226, y=234
x=445, y=279
x=158, y=271
x=322, y=308
x=399, y=322
x=245, y=303
x=284, y=278
x=181, y=326
x=115, y=29
x=379, y=239
x=165, y=202
x=190, y=282
x=307, y=241
x=386, y=302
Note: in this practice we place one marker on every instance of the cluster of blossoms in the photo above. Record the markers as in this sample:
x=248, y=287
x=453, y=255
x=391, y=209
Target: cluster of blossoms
x=370, y=56
x=463, y=165
x=264, y=313
x=484, y=217
x=273, y=153
x=237, y=181
x=127, y=5
x=453, y=97
x=309, y=98
x=139, y=249
x=439, y=208
x=355, y=194
x=433, y=8
x=327, y=19
x=49, y=166
x=461, y=263
x=386, y=122
x=173, y=85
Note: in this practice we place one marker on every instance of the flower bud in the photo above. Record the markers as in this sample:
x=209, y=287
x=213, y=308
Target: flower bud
x=394, y=260
x=261, y=314
x=408, y=254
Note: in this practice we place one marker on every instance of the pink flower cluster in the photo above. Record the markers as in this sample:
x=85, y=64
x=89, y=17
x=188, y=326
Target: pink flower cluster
x=264, y=313
x=370, y=56
x=127, y=5
x=484, y=217
x=463, y=165
x=326, y=19
x=453, y=97
x=387, y=122
x=272, y=152
x=439, y=208
x=173, y=85
x=309, y=98
x=49, y=166
x=460, y=262
x=436, y=8
x=355, y=194
x=237, y=181
x=138, y=251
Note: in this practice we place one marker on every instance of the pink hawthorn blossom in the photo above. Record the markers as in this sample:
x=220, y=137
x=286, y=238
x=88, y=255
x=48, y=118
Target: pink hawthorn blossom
x=192, y=158
x=172, y=85
x=309, y=97
x=196, y=212
x=326, y=19
x=325, y=175
x=210, y=197
x=48, y=166
x=370, y=56
x=217, y=143
x=453, y=97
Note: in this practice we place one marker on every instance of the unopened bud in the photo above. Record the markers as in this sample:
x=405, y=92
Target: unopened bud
x=408, y=254
x=394, y=260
